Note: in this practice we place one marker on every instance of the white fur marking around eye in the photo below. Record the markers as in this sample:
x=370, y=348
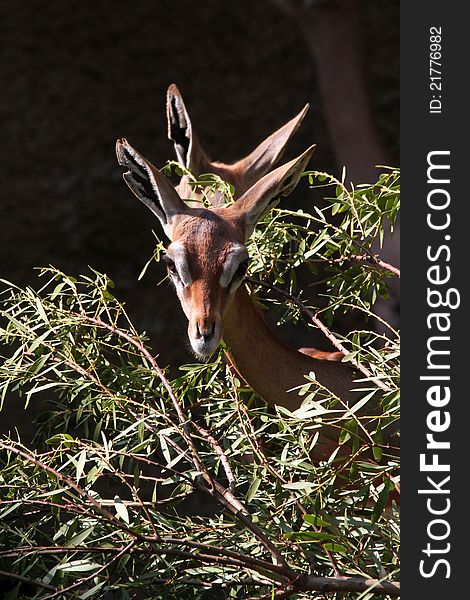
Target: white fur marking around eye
x=177, y=252
x=237, y=254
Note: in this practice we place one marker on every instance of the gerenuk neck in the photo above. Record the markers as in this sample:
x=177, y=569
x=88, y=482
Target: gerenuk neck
x=271, y=367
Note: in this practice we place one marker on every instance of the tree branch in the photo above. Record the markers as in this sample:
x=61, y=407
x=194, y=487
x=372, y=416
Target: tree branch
x=214, y=554
x=375, y=260
x=348, y=584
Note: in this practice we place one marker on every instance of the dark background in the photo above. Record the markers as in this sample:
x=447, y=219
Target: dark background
x=75, y=76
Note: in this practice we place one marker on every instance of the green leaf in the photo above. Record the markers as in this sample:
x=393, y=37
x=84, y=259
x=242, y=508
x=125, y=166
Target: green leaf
x=55, y=492
x=78, y=566
x=315, y=520
x=92, y=591
x=377, y=452
x=335, y=547
x=41, y=311
x=360, y=403
x=41, y=388
x=10, y=509
x=253, y=489
x=38, y=341
x=300, y=485
x=80, y=465
x=378, y=439
x=309, y=536
x=381, y=503
x=79, y=538
x=121, y=509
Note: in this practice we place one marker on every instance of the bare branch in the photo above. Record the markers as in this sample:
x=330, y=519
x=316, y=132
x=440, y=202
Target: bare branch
x=375, y=260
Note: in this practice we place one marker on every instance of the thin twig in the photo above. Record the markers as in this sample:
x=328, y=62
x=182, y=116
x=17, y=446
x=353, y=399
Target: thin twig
x=373, y=259
x=32, y=582
x=220, y=453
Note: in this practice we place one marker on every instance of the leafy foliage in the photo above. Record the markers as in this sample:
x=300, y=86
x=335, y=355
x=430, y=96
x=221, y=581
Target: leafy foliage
x=194, y=488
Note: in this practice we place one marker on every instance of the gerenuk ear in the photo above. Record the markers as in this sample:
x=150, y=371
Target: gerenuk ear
x=150, y=186
x=180, y=131
x=266, y=155
x=267, y=192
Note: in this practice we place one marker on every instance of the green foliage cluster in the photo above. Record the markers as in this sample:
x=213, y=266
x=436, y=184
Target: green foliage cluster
x=143, y=487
